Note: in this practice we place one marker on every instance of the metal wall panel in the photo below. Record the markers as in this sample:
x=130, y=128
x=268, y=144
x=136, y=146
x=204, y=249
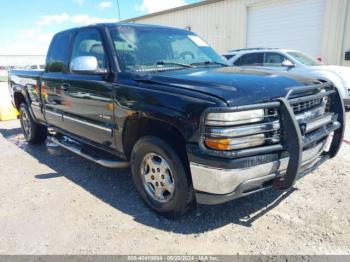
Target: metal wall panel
x=223, y=25
x=285, y=25
x=346, y=42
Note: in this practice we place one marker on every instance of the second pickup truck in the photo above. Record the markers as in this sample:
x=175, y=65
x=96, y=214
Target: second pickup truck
x=161, y=101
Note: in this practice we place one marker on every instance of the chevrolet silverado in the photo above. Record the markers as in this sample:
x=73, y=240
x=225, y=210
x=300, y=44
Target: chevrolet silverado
x=161, y=101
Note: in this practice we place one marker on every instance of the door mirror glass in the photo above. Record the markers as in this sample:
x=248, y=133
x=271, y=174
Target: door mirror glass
x=84, y=65
x=287, y=63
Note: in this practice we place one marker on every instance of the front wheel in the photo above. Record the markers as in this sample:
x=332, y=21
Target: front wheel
x=160, y=177
x=34, y=133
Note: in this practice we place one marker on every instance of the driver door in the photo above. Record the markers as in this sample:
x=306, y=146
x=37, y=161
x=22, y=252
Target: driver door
x=88, y=97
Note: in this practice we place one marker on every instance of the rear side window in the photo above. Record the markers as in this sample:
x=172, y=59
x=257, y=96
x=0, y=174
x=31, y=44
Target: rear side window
x=255, y=59
x=57, y=58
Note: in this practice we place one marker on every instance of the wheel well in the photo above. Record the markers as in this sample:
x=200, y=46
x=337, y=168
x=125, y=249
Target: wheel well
x=138, y=128
x=19, y=99
x=322, y=80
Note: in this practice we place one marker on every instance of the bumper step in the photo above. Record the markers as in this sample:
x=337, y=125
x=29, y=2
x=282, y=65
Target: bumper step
x=98, y=156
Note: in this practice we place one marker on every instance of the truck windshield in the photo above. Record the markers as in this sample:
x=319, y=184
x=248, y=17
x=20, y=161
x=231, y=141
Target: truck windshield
x=147, y=49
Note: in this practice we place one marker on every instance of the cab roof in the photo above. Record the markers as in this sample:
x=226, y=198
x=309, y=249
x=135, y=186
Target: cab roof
x=110, y=25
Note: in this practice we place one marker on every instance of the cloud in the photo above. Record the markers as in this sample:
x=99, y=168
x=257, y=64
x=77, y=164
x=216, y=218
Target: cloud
x=105, y=5
x=80, y=19
x=36, y=33
x=79, y=2
x=152, y=6
x=33, y=41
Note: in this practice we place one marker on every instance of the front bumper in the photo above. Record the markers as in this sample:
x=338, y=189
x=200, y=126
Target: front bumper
x=216, y=182
x=215, y=186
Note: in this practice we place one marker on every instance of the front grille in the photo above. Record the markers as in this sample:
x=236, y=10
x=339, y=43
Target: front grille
x=307, y=105
x=311, y=108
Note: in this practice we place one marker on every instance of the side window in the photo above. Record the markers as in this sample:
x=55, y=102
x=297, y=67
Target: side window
x=89, y=43
x=237, y=62
x=57, y=58
x=255, y=59
x=274, y=59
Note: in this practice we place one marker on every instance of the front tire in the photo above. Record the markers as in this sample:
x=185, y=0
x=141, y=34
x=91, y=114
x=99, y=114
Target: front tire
x=160, y=177
x=34, y=133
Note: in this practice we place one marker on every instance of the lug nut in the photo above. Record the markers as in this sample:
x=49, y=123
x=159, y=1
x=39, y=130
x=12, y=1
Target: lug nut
x=161, y=183
x=152, y=177
x=163, y=176
x=157, y=184
x=153, y=170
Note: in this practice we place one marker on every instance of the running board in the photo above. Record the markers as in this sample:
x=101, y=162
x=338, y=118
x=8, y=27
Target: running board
x=75, y=147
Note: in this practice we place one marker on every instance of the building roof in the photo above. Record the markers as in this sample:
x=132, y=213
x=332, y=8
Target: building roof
x=184, y=7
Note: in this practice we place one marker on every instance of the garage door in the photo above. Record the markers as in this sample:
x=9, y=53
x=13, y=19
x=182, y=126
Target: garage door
x=292, y=24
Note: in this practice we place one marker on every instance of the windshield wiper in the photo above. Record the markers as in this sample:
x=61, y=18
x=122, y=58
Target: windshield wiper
x=208, y=63
x=173, y=63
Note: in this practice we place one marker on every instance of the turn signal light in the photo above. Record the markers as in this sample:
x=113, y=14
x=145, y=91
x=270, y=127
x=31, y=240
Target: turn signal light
x=218, y=144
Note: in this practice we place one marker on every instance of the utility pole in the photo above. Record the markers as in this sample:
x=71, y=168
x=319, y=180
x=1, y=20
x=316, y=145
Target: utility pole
x=118, y=9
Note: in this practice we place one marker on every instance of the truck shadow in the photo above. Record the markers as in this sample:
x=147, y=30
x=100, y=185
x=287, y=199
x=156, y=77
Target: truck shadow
x=115, y=187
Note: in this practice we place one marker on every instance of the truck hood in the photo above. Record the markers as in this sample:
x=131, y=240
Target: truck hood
x=236, y=86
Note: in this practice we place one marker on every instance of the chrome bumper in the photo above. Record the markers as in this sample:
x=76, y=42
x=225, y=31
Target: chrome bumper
x=226, y=181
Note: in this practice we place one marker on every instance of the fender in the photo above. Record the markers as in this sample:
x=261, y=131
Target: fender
x=22, y=90
x=332, y=77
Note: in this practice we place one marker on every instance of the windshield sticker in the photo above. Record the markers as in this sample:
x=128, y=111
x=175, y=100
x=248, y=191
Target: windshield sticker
x=198, y=41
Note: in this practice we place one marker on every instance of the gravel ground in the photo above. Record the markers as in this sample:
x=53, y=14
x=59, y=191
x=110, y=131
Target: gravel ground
x=54, y=202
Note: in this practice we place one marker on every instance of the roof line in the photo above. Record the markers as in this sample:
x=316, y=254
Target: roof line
x=184, y=7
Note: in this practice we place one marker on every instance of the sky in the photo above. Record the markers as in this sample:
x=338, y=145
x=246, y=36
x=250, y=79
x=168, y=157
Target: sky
x=27, y=27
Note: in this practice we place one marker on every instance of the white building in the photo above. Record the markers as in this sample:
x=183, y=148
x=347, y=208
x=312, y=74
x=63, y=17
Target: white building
x=318, y=27
x=21, y=60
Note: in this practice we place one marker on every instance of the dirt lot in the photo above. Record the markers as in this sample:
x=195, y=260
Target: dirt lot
x=53, y=202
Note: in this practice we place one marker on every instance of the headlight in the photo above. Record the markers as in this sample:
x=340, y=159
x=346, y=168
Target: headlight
x=235, y=143
x=238, y=130
x=235, y=118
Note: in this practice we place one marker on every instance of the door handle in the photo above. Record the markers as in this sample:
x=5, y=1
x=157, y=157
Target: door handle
x=65, y=87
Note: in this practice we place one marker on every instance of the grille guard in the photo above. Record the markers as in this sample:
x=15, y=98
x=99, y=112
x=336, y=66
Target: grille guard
x=292, y=140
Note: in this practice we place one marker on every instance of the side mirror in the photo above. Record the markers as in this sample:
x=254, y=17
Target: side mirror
x=84, y=65
x=287, y=63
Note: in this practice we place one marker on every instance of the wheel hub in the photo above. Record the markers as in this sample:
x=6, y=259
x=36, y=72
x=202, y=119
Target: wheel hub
x=157, y=177
x=26, y=124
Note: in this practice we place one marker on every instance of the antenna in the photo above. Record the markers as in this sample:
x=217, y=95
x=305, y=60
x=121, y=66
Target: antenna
x=118, y=10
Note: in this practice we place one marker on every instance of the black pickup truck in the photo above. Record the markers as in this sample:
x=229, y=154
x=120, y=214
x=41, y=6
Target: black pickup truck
x=161, y=101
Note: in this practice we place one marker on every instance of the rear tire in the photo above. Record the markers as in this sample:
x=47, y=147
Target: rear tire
x=34, y=133
x=160, y=177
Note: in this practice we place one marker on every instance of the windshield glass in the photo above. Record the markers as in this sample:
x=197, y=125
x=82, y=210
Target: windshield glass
x=305, y=59
x=147, y=49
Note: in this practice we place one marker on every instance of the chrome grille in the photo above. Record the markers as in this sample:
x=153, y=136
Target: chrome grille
x=313, y=113
x=307, y=105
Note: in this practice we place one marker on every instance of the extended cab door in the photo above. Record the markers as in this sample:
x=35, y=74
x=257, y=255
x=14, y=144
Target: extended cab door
x=53, y=78
x=88, y=98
